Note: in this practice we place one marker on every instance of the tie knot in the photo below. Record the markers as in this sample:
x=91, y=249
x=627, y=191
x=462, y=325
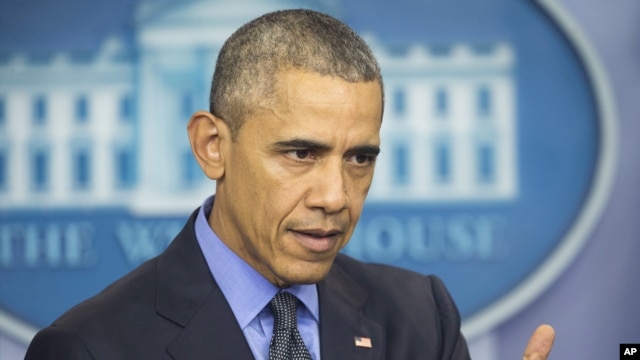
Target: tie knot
x=284, y=306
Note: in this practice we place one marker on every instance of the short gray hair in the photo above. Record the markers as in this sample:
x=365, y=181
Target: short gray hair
x=249, y=60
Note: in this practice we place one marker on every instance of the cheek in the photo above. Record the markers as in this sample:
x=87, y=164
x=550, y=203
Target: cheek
x=275, y=195
x=284, y=186
x=280, y=202
x=359, y=187
x=357, y=191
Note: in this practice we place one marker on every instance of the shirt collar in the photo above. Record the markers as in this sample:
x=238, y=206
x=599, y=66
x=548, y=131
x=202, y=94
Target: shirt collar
x=245, y=289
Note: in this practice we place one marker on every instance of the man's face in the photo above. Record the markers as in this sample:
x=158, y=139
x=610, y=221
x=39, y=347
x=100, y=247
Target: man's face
x=297, y=176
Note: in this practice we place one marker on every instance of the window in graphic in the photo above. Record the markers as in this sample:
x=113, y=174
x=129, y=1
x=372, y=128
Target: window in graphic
x=127, y=108
x=190, y=169
x=186, y=105
x=3, y=111
x=82, y=109
x=39, y=110
x=441, y=50
x=399, y=102
x=125, y=168
x=401, y=172
x=484, y=101
x=486, y=163
x=40, y=169
x=4, y=170
x=81, y=169
x=443, y=160
x=442, y=102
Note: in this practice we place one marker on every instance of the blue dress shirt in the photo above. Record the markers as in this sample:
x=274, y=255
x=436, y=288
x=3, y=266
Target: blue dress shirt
x=248, y=292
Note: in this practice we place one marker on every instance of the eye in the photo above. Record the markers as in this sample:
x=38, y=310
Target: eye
x=300, y=154
x=361, y=159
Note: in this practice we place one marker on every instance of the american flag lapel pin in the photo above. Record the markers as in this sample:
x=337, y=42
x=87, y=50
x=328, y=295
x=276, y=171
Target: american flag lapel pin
x=362, y=341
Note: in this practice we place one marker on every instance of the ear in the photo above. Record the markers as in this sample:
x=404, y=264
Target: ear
x=207, y=135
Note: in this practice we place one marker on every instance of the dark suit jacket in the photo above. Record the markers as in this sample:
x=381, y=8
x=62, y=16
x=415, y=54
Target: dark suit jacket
x=171, y=308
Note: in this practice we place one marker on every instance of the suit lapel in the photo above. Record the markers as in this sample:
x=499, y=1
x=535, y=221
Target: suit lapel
x=204, y=338
x=188, y=296
x=342, y=319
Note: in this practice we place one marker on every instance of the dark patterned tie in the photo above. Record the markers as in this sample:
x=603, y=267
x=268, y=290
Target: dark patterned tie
x=286, y=343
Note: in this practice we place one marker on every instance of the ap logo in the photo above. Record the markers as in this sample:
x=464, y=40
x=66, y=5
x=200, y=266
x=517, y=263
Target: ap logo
x=497, y=145
x=629, y=351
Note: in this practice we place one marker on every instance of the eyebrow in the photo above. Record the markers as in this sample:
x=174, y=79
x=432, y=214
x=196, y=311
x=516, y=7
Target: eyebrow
x=318, y=146
x=303, y=144
x=365, y=150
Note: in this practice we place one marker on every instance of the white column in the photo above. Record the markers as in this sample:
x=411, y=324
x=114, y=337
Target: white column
x=58, y=125
x=104, y=119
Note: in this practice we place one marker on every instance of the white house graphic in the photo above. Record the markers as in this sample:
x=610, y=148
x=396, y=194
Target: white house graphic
x=108, y=129
x=449, y=127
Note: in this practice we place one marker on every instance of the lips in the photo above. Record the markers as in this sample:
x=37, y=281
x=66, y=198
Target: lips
x=317, y=240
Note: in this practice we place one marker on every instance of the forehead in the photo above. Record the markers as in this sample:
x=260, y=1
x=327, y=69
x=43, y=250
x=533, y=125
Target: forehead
x=307, y=104
x=297, y=89
x=308, y=87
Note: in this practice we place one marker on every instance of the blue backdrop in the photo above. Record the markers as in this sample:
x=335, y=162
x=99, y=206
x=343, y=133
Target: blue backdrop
x=590, y=296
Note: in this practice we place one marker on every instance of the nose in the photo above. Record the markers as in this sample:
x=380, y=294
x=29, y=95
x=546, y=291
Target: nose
x=329, y=191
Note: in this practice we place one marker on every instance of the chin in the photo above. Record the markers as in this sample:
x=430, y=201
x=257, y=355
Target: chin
x=308, y=274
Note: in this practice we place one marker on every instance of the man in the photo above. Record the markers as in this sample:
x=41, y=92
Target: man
x=291, y=140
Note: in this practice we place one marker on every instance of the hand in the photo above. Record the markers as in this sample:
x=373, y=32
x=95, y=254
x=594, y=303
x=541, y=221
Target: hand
x=540, y=344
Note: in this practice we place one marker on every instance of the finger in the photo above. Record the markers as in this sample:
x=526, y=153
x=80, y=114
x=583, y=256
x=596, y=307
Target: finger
x=540, y=344
x=534, y=357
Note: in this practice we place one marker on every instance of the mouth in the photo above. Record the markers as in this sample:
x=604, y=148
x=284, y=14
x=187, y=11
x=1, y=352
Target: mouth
x=317, y=240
